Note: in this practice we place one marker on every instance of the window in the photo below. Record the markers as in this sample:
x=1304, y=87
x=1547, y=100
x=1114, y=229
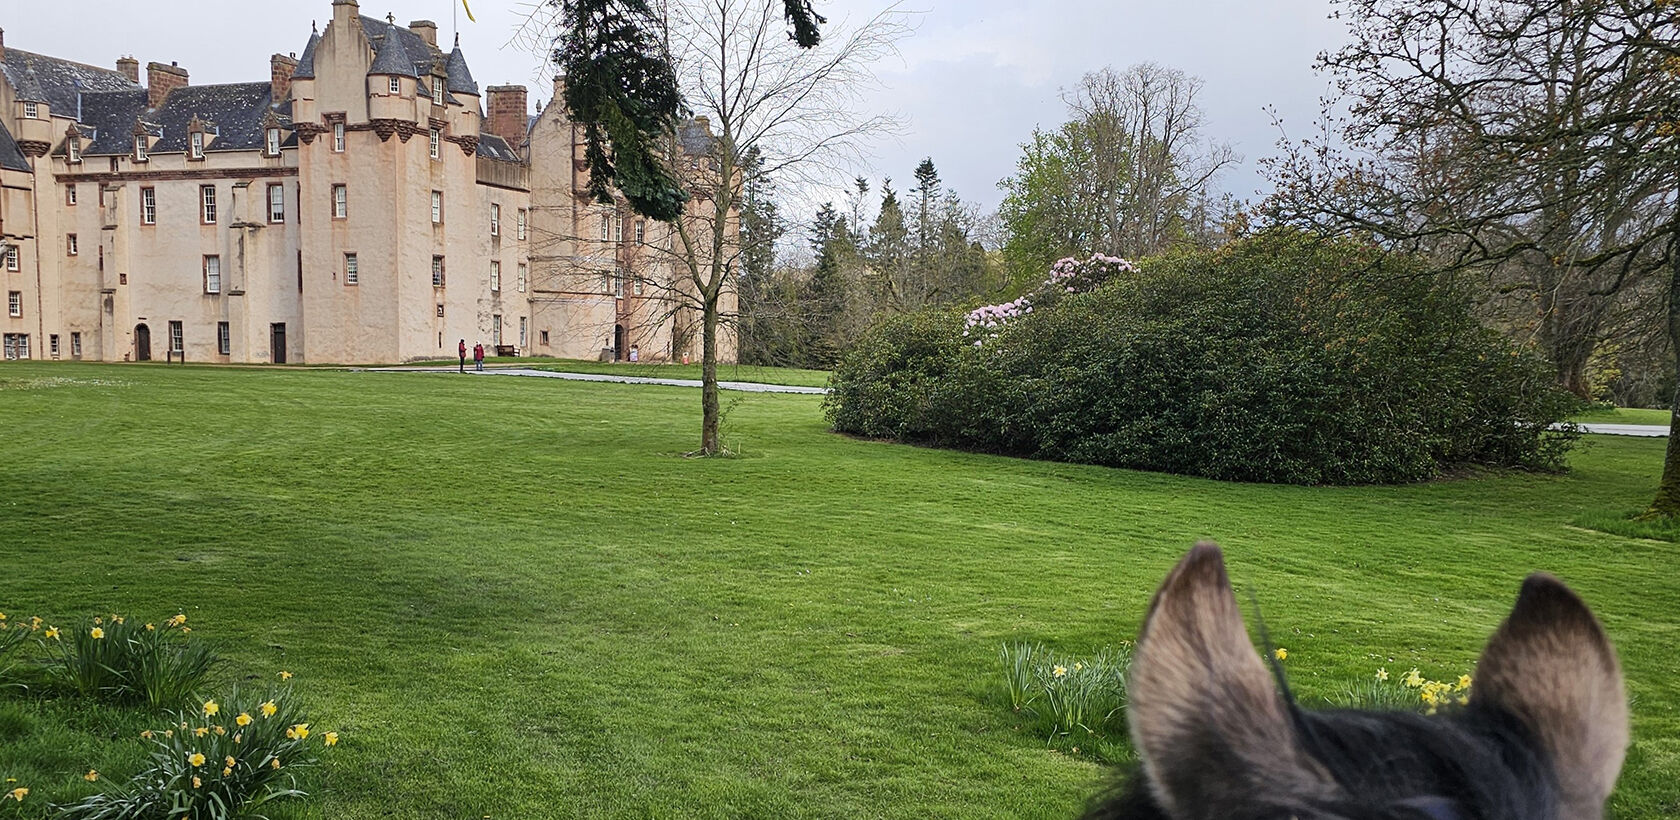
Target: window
x=638, y=287
x=276, y=202
x=606, y=227
x=70, y=244
x=70, y=194
x=440, y=310
x=31, y=110
x=148, y=206
x=176, y=340
x=14, y=303
x=272, y=144
x=437, y=142
x=544, y=337
x=212, y=274
x=73, y=149
x=521, y=281
x=352, y=272
x=496, y=329
x=207, y=199
x=340, y=202
x=12, y=258
x=437, y=207
x=52, y=345
x=196, y=142
x=396, y=86
x=75, y=344
x=437, y=91
x=437, y=273
x=224, y=339
x=495, y=220
x=139, y=147
x=519, y=225
x=522, y=331
x=338, y=137
x=641, y=231
x=17, y=345
x=495, y=275
x=618, y=283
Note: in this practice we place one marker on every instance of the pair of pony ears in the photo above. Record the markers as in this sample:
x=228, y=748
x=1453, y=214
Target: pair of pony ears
x=1205, y=713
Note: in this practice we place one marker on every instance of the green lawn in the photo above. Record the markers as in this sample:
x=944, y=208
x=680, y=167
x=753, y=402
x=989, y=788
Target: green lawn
x=1625, y=415
x=726, y=372
x=516, y=598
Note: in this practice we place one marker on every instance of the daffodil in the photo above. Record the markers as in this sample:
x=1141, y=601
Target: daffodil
x=196, y=759
x=330, y=738
x=284, y=675
x=96, y=633
x=197, y=782
x=91, y=776
x=244, y=719
x=35, y=622
x=238, y=737
x=1414, y=679
x=268, y=709
x=1463, y=682
x=230, y=761
x=274, y=764
x=1281, y=654
x=98, y=620
x=1059, y=671
x=117, y=619
x=151, y=627
x=168, y=732
x=227, y=771
x=18, y=793
x=147, y=734
x=220, y=730
x=185, y=630
x=52, y=632
x=1382, y=674
x=202, y=731
x=211, y=708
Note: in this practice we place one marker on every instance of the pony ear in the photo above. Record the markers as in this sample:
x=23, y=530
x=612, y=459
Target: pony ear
x=1551, y=665
x=1214, y=735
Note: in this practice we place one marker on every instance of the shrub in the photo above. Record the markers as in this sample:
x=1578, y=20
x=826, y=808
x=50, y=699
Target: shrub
x=1068, y=697
x=125, y=661
x=221, y=760
x=1274, y=359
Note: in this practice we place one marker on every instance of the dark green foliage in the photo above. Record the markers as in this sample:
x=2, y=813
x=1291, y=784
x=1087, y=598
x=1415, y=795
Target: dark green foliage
x=1275, y=360
x=803, y=22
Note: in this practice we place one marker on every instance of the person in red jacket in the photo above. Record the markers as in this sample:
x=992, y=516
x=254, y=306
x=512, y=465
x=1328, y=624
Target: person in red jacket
x=463, y=351
x=478, y=356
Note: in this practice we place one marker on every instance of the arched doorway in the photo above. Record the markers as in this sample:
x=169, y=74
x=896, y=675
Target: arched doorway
x=618, y=342
x=142, y=343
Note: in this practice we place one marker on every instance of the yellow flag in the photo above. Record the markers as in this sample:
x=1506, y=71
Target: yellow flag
x=469, y=11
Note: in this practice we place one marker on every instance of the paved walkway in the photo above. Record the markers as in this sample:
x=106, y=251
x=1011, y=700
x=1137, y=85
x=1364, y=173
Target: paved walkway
x=1646, y=430
x=748, y=387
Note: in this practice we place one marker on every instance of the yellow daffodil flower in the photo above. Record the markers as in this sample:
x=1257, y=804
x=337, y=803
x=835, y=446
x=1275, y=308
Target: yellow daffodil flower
x=91, y=776
x=151, y=627
x=96, y=633
x=1059, y=671
x=18, y=793
x=196, y=759
x=1382, y=674
x=211, y=708
x=35, y=622
x=227, y=771
x=230, y=761
x=244, y=719
x=186, y=629
x=52, y=632
x=284, y=675
x=220, y=730
x=197, y=782
x=202, y=731
x=1463, y=682
x=1281, y=654
x=268, y=708
x=275, y=763
x=147, y=734
x=330, y=738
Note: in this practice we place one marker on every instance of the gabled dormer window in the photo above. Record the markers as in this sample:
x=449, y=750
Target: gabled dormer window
x=139, y=147
x=437, y=142
x=195, y=144
x=73, y=150
x=272, y=144
x=32, y=110
x=437, y=91
x=396, y=86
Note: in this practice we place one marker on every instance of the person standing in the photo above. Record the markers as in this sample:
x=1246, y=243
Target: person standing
x=463, y=351
x=478, y=357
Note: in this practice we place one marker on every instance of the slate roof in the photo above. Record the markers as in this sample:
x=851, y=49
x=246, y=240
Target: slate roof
x=10, y=157
x=460, y=79
x=494, y=147
x=306, y=66
x=236, y=113
x=59, y=80
x=29, y=87
x=695, y=140
x=390, y=54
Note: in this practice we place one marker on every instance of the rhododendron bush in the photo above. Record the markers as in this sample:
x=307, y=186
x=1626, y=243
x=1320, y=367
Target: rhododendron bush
x=1276, y=359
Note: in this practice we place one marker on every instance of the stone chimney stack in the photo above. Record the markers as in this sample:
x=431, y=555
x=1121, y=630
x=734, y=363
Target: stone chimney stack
x=508, y=114
x=427, y=31
x=2, y=45
x=162, y=79
x=130, y=68
x=280, y=68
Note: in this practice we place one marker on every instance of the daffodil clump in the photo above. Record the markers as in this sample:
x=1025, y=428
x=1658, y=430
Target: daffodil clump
x=222, y=758
x=1409, y=690
x=1076, y=699
x=116, y=659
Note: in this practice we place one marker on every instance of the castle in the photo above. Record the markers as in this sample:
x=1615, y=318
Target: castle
x=358, y=206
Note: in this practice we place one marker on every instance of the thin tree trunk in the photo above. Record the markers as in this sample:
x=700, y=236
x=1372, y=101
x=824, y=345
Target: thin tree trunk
x=708, y=378
x=1667, y=502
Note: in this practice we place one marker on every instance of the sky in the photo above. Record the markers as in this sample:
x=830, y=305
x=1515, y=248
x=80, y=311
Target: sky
x=971, y=82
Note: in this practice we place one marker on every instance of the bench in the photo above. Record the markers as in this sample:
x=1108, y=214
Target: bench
x=507, y=350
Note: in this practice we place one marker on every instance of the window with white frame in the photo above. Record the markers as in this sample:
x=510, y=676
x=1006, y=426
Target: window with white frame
x=340, y=202
x=352, y=270
x=73, y=150
x=70, y=247
x=520, y=282
x=637, y=287
x=75, y=344
x=523, y=330
x=212, y=274
x=338, y=137
x=70, y=194
x=139, y=147
x=14, y=303
x=195, y=143
x=437, y=91
x=641, y=231
x=207, y=201
x=437, y=143
x=272, y=143
x=276, y=202
x=52, y=344
x=495, y=219
x=495, y=275
x=12, y=258
x=396, y=86
x=496, y=329
x=618, y=283
x=31, y=110
x=437, y=207
x=437, y=273
x=224, y=339
x=148, y=206
x=17, y=345
x=519, y=224
x=177, y=340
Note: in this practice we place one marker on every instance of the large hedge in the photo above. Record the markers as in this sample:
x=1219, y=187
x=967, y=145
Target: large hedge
x=1276, y=359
